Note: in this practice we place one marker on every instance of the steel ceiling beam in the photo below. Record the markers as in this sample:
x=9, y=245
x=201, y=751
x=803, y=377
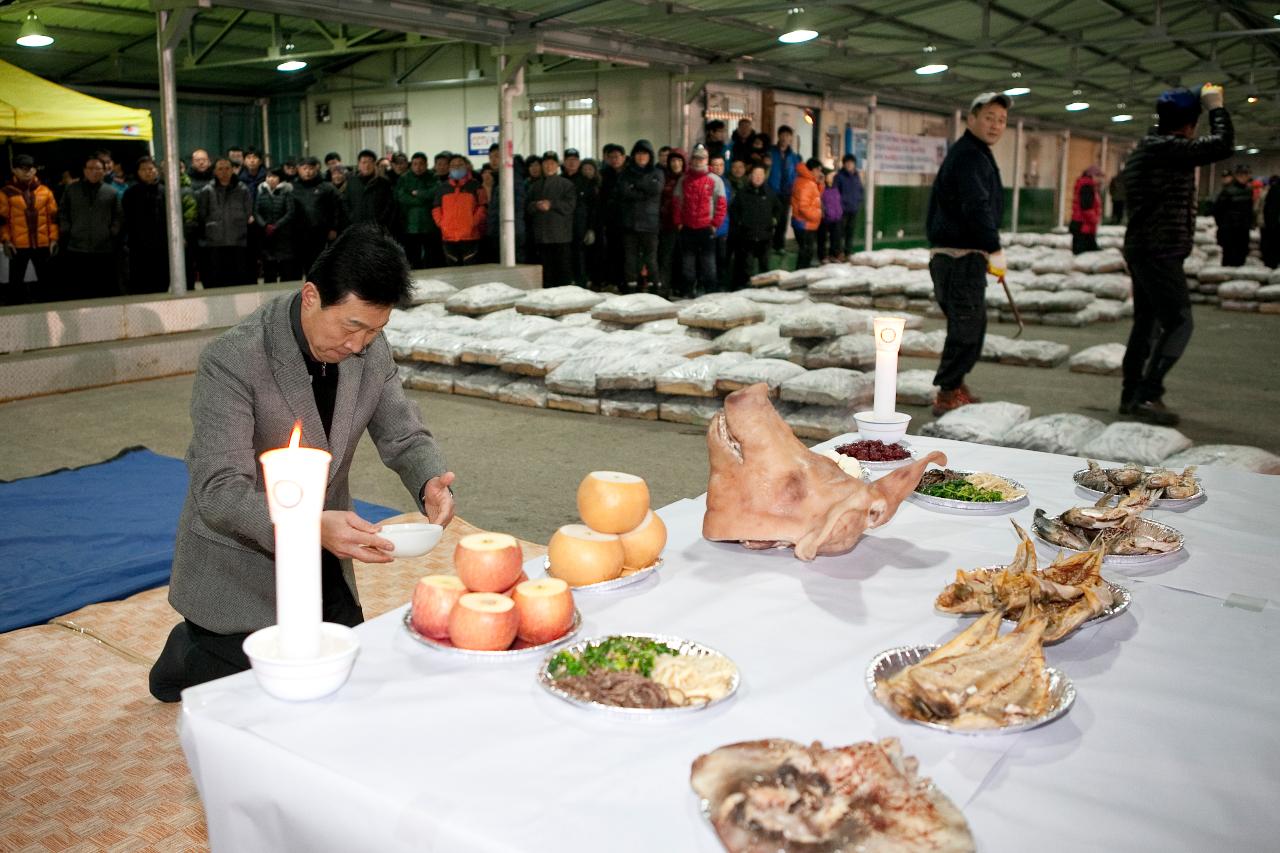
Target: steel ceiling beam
x=217, y=39
x=316, y=54
x=560, y=11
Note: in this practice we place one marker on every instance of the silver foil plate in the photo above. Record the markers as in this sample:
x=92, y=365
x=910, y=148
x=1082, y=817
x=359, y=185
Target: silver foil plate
x=513, y=654
x=1146, y=526
x=891, y=661
x=616, y=583
x=885, y=466
x=1120, y=596
x=973, y=506
x=1170, y=502
x=682, y=646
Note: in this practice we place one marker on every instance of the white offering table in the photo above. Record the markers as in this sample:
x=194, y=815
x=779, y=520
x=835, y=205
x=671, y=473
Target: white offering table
x=1171, y=744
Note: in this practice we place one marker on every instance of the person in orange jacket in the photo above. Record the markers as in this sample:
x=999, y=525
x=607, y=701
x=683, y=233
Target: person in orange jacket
x=28, y=230
x=806, y=209
x=461, y=212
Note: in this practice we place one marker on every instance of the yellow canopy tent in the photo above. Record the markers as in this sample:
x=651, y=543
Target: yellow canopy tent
x=34, y=110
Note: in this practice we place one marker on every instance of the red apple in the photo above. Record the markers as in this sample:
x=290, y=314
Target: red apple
x=433, y=600
x=545, y=606
x=484, y=621
x=511, y=591
x=488, y=562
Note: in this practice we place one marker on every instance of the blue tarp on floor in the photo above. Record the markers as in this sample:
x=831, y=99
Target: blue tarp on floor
x=98, y=533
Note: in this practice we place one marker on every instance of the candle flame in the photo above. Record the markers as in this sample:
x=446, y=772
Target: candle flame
x=295, y=436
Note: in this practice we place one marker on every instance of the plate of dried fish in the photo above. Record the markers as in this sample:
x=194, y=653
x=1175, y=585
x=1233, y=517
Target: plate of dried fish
x=1124, y=535
x=978, y=683
x=1168, y=488
x=968, y=490
x=1070, y=591
x=781, y=795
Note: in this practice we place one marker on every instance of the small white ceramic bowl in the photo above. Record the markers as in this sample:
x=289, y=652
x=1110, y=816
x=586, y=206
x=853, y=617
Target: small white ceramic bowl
x=888, y=430
x=412, y=539
x=297, y=680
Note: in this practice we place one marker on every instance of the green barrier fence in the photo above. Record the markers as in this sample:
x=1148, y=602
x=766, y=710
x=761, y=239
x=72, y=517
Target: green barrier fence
x=901, y=211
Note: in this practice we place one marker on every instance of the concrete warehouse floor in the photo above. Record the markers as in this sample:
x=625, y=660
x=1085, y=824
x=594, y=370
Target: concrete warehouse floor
x=518, y=468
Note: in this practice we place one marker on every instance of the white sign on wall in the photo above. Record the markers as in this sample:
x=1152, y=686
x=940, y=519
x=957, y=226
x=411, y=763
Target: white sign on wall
x=480, y=137
x=901, y=152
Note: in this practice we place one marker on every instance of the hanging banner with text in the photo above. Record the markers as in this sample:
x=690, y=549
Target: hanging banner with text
x=901, y=152
x=480, y=137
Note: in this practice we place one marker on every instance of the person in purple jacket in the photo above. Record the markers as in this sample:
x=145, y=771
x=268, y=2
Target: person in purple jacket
x=832, y=216
x=849, y=182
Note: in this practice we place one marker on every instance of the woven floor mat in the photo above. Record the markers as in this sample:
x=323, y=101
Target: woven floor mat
x=138, y=626
x=88, y=760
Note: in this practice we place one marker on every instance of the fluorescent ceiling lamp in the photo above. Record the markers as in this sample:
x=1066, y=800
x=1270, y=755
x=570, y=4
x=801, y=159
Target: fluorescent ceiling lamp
x=33, y=33
x=934, y=68
x=1017, y=90
x=291, y=65
x=1121, y=117
x=798, y=29
x=1077, y=106
x=1252, y=151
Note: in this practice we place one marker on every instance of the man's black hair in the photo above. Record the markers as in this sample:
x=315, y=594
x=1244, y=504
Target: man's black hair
x=786, y=128
x=235, y=148
x=715, y=124
x=493, y=147
x=332, y=155
x=103, y=152
x=253, y=151
x=444, y=155
x=849, y=158
x=309, y=161
x=366, y=153
x=418, y=155
x=365, y=262
x=145, y=158
x=612, y=147
x=813, y=163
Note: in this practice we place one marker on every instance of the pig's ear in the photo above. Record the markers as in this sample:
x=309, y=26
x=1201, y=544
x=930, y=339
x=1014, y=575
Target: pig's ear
x=893, y=488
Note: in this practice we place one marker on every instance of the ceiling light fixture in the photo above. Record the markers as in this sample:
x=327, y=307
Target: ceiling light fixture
x=799, y=29
x=1077, y=106
x=1253, y=99
x=1252, y=151
x=290, y=64
x=1017, y=90
x=931, y=67
x=1121, y=117
x=33, y=33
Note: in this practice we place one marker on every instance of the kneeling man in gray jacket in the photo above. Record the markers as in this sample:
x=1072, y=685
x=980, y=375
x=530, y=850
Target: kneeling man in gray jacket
x=317, y=356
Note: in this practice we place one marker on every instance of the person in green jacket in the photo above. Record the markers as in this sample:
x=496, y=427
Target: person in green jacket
x=415, y=191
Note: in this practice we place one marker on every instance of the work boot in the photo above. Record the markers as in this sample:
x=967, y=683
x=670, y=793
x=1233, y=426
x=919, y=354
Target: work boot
x=973, y=398
x=1155, y=412
x=947, y=401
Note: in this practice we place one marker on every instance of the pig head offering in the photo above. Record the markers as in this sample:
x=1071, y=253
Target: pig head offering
x=767, y=489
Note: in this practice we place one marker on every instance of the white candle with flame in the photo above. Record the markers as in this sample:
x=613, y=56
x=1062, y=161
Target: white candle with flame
x=296, y=478
x=888, y=332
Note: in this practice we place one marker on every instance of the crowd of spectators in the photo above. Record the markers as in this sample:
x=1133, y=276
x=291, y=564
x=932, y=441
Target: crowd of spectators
x=663, y=220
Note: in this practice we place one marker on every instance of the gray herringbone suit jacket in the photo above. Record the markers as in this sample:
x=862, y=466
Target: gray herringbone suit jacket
x=250, y=388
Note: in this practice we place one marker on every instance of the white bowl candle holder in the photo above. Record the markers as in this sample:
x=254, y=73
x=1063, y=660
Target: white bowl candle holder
x=301, y=679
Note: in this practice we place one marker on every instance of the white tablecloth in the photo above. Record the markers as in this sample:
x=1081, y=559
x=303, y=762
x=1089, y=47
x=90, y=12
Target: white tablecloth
x=1171, y=744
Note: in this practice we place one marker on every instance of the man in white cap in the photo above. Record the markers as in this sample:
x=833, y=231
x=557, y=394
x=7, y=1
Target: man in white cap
x=963, y=228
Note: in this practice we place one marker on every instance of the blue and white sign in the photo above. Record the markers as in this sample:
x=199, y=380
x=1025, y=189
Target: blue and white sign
x=480, y=137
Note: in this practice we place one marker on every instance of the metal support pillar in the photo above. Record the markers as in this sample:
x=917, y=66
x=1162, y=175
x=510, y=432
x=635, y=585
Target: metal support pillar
x=869, y=177
x=1106, y=171
x=510, y=87
x=264, y=104
x=169, y=27
x=1062, y=178
x=1018, y=156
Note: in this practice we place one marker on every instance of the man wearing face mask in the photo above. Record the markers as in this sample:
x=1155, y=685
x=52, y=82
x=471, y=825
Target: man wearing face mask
x=963, y=228
x=461, y=212
x=316, y=356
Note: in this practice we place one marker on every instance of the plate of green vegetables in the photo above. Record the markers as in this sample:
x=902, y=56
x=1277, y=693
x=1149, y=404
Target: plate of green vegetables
x=968, y=490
